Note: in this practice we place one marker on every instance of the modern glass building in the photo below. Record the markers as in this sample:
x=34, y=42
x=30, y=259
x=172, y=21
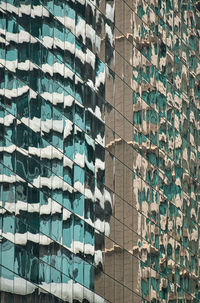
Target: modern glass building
x=99, y=151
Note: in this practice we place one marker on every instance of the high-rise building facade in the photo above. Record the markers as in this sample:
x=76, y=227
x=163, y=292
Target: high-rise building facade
x=99, y=151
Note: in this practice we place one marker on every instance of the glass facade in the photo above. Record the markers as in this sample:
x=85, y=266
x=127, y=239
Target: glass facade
x=99, y=151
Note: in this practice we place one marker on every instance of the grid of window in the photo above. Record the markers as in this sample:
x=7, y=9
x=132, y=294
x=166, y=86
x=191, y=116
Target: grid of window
x=154, y=153
x=99, y=151
x=55, y=207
